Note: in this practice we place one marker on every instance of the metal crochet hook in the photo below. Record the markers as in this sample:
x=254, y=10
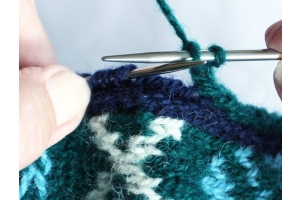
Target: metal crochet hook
x=179, y=60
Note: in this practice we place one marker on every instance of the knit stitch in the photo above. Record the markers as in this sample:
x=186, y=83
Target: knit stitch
x=156, y=138
x=35, y=174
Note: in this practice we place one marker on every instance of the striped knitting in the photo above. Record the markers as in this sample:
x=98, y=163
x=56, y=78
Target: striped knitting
x=156, y=138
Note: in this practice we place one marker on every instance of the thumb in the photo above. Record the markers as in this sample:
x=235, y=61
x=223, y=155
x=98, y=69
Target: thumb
x=52, y=103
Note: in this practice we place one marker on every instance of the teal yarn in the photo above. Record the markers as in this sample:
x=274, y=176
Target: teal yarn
x=220, y=56
x=167, y=11
x=156, y=138
x=36, y=173
x=26, y=179
x=191, y=46
x=218, y=185
x=204, y=76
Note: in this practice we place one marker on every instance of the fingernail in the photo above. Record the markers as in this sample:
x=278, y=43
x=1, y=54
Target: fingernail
x=278, y=78
x=70, y=95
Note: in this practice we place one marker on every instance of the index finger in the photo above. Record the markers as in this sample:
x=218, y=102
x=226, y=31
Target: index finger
x=34, y=46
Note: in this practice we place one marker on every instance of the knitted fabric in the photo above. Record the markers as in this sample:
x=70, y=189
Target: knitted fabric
x=156, y=138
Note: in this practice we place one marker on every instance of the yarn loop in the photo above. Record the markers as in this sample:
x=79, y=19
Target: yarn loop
x=193, y=48
x=153, y=137
x=220, y=56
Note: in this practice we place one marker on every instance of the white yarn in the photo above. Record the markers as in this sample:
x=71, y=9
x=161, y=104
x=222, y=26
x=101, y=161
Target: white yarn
x=129, y=163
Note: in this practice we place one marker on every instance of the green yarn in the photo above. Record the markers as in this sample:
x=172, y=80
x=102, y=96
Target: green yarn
x=155, y=138
x=220, y=56
x=204, y=77
x=138, y=154
x=74, y=163
x=209, y=87
x=135, y=121
x=204, y=146
x=167, y=11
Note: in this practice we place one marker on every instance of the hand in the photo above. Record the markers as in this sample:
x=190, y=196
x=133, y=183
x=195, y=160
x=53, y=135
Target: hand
x=53, y=99
x=273, y=37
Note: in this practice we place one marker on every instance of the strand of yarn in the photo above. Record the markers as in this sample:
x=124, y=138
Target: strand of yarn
x=156, y=137
x=155, y=94
x=210, y=156
x=204, y=77
x=36, y=172
x=191, y=46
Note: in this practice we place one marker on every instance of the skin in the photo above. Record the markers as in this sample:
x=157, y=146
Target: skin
x=53, y=99
x=273, y=37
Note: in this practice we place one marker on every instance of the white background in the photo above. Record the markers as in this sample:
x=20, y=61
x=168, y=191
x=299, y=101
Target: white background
x=83, y=31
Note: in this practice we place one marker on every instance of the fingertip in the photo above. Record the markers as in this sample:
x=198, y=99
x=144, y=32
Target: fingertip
x=273, y=36
x=35, y=48
x=278, y=79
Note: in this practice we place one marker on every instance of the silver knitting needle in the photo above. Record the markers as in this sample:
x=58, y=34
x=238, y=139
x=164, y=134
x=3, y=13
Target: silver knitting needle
x=179, y=60
x=167, y=68
x=169, y=56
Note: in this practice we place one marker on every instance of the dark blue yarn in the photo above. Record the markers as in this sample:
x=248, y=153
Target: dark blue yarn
x=111, y=92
